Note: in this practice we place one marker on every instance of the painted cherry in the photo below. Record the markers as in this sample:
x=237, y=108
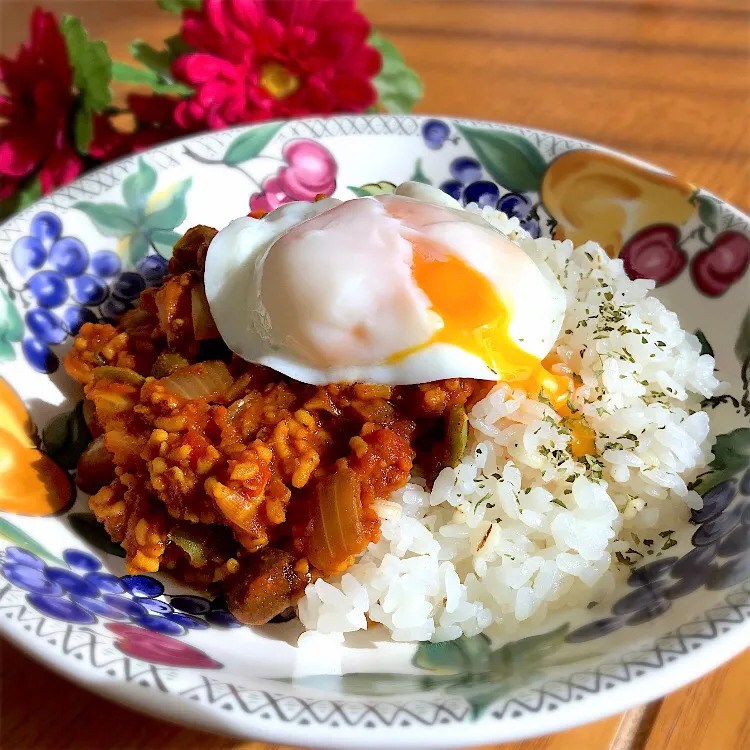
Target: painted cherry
x=722, y=264
x=653, y=253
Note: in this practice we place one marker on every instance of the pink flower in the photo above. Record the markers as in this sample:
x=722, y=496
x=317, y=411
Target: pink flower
x=311, y=171
x=263, y=59
x=35, y=132
x=159, y=649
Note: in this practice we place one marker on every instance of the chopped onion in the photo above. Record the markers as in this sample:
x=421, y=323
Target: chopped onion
x=199, y=381
x=337, y=529
x=204, y=326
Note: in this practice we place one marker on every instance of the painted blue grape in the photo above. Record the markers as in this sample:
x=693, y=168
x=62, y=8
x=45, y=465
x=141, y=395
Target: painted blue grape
x=647, y=574
x=193, y=605
x=156, y=606
x=30, y=579
x=60, y=609
x=89, y=290
x=46, y=227
x=143, y=586
x=466, y=169
x=77, y=558
x=482, y=192
x=745, y=483
x=435, y=133
x=49, y=288
x=687, y=585
x=98, y=607
x=159, y=625
x=695, y=562
x=595, y=629
x=222, y=619
x=719, y=527
x=128, y=286
x=639, y=598
x=72, y=582
x=106, y=582
x=515, y=204
x=453, y=188
x=152, y=268
x=187, y=621
x=123, y=604
x=649, y=612
x=715, y=501
x=532, y=227
x=39, y=355
x=736, y=542
x=113, y=308
x=24, y=557
x=69, y=257
x=735, y=571
x=46, y=326
x=75, y=316
x=28, y=255
x=105, y=263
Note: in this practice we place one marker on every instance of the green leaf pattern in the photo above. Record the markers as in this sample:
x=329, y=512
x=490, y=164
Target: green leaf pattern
x=11, y=327
x=249, y=145
x=20, y=538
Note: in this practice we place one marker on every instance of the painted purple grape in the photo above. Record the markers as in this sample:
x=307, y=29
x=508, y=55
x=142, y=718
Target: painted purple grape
x=39, y=355
x=46, y=227
x=649, y=612
x=143, y=586
x=89, y=290
x=435, y=133
x=72, y=582
x=105, y=263
x=69, y=257
x=49, y=288
x=719, y=527
x=453, y=188
x=123, y=604
x=595, y=629
x=466, y=169
x=193, y=605
x=532, y=227
x=736, y=542
x=113, y=308
x=482, y=192
x=156, y=606
x=687, y=585
x=60, y=609
x=745, y=483
x=31, y=579
x=45, y=325
x=77, y=558
x=515, y=204
x=640, y=598
x=647, y=574
x=152, y=268
x=715, y=502
x=28, y=255
x=24, y=557
x=730, y=573
x=98, y=607
x=222, y=619
x=159, y=625
x=75, y=316
x=695, y=562
x=105, y=582
x=187, y=621
x=128, y=286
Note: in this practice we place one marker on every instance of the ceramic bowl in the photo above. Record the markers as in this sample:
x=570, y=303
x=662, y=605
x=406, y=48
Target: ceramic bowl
x=86, y=251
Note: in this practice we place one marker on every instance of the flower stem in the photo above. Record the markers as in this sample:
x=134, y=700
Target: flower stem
x=214, y=162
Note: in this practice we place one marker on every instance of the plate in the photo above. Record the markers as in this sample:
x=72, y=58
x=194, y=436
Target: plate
x=85, y=253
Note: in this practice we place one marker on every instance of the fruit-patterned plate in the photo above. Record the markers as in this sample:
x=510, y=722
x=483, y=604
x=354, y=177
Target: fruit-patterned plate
x=85, y=252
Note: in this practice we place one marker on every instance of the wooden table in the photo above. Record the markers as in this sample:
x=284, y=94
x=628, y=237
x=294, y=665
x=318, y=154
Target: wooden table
x=666, y=80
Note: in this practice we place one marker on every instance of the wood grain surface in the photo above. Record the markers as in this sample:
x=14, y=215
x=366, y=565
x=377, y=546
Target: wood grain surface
x=665, y=80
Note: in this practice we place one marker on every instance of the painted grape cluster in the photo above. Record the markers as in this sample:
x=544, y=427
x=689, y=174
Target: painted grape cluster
x=83, y=593
x=69, y=286
x=719, y=559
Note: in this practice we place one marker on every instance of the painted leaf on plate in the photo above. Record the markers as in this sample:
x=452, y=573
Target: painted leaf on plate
x=419, y=175
x=66, y=437
x=11, y=327
x=248, y=145
x=373, y=188
x=459, y=656
x=111, y=219
x=708, y=211
x=167, y=208
x=510, y=159
x=20, y=538
x=90, y=530
x=137, y=187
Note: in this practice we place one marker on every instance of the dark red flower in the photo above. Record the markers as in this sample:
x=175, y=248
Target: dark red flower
x=264, y=59
x=35, y=111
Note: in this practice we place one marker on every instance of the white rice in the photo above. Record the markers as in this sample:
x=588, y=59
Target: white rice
x=520, y=527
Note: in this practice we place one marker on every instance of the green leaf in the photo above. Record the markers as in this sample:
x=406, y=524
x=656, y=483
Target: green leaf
x=527, y=652
x=164, y=241
x=125, y=73
x=249, y=145
x=66, y=436
x=111, y=219
x=708, y=211
x=706, y=348
x=160, y=61
x=510, y=159
x=11, y=323
x=464, y=655
x=92, y=65
x=732, y=450
x=373, y=188
x=374, y=683
x=90, y=530
x=22, y=197
x=133, y=247
x=398, y=86
x=177, y=45
x=178, y=6
x=137, y=187
x=83, y=128
x=20, y=538
x=419, y=175
x=742, y=345
x=167, y=208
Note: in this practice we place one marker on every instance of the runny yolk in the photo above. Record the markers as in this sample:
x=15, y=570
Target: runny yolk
x=476, y=320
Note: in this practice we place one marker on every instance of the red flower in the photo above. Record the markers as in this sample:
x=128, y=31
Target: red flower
x=264, y=59
x=35, y=133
